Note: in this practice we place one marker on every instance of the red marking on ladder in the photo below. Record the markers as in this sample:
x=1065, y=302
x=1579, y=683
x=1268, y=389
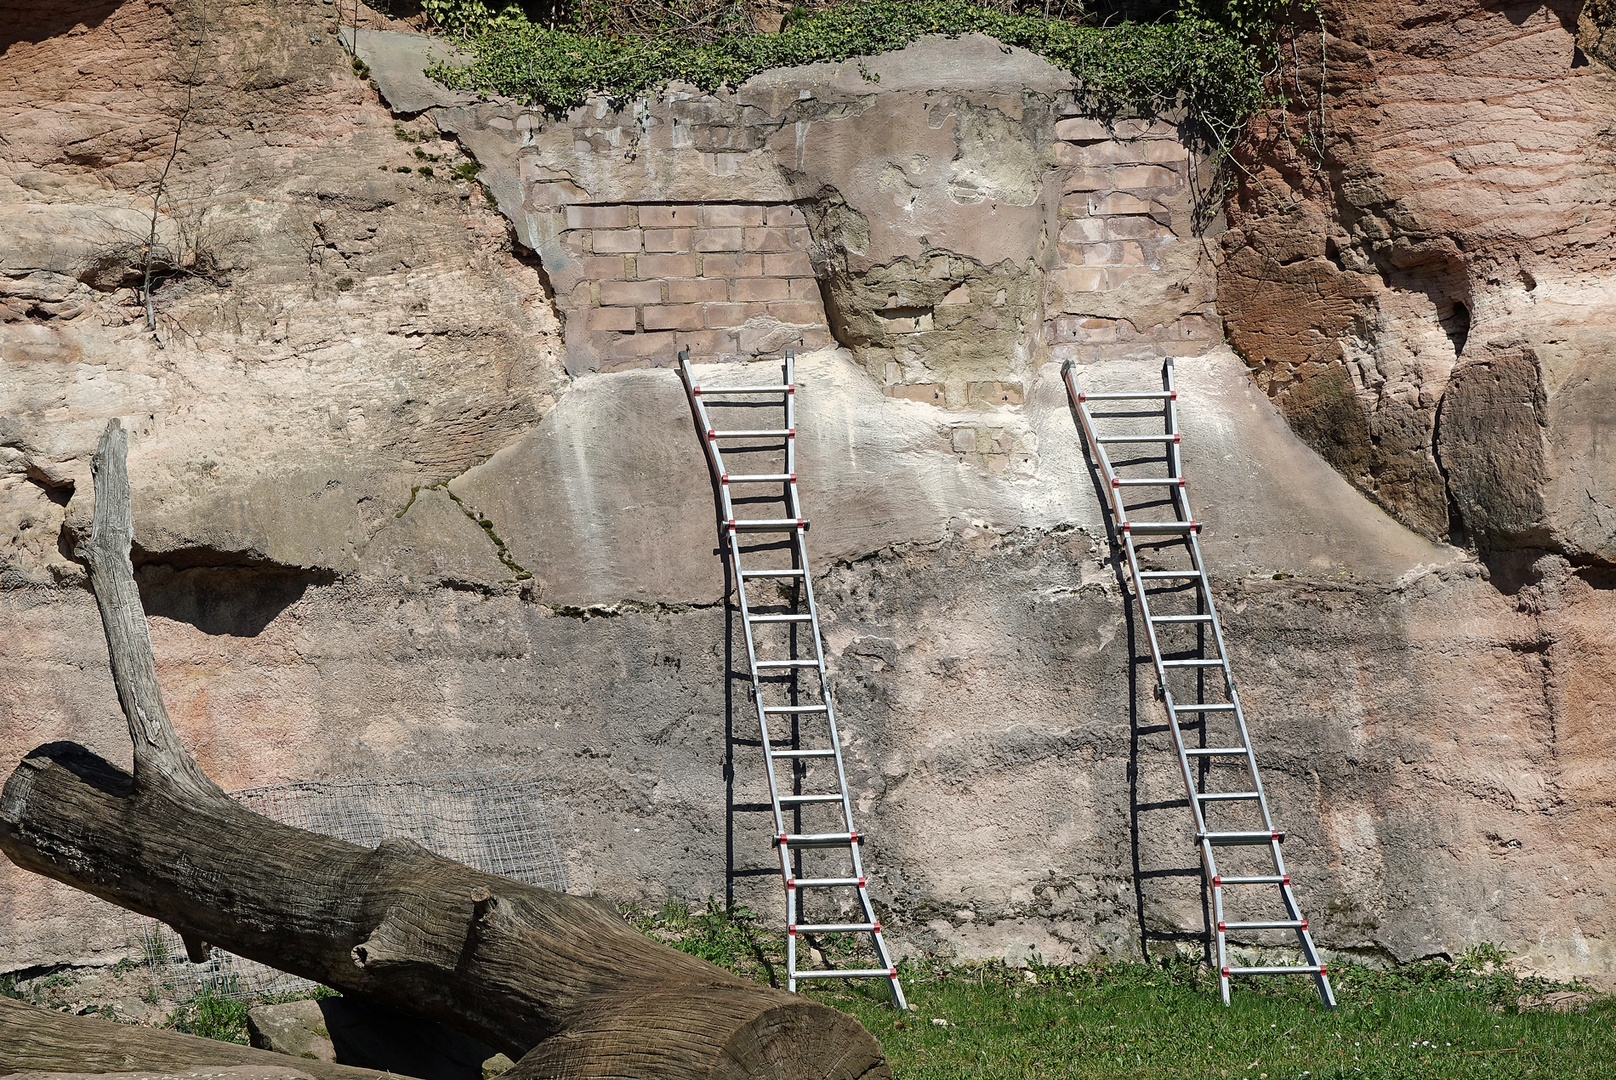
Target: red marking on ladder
x=1304, y=924
x=1172, y=395
x=791, y=388
x=793, y=478
x=791, y=433
x=1115, y=482
x=696, y=390
x=1275, y=836
x=792, y=929
x=1082, y=397
x=892, y=972
x=1323, y=969
x=1225, y=972
x=1221, y=926
x=1284, y=879
x=724, y=479
x=1177, y=439
x=802, y=523
x=861, y=883
x=1181, y=482
x=791, y=883
x=877, y=927
x=712, y=435
x=731, y=524
x=1217, y=882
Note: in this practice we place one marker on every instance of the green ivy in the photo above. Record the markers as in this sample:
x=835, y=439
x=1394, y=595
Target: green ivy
x=1206, y=65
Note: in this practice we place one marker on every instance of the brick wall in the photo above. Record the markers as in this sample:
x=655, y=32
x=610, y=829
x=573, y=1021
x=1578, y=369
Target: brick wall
x=1128, y=186
x=724, y=279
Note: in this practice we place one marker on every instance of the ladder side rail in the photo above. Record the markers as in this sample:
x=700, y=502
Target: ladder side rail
x=1107, y=473
x=698, y=413
x=1233, y=690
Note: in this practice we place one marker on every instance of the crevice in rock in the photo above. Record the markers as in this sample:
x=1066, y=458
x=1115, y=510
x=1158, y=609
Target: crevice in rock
x=234, y=594
x=500, y=550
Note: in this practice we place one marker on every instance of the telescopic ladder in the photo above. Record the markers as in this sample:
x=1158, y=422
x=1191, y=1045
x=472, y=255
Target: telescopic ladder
x=1186, y=644
x=814, y=834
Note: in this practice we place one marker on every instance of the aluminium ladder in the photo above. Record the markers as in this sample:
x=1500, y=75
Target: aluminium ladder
x=768, y=558
x=1174, y=593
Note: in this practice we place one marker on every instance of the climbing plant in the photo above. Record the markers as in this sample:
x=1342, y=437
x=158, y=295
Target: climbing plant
x=1213, y=59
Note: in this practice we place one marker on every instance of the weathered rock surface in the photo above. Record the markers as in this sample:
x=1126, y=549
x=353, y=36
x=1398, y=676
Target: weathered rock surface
x=384, y=531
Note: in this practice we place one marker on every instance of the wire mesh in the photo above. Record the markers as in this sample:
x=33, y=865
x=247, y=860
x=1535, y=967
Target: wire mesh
x=493, y=821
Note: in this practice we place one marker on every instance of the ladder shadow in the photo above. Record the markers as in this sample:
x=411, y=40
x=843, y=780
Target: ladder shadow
x=1138, y=730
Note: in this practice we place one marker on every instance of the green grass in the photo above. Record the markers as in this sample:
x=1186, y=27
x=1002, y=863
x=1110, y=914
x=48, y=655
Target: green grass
x=1127, y=1021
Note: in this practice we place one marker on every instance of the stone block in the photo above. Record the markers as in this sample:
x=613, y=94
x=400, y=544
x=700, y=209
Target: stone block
x=1160, y=152
x=744, y=289
x=806, y=289
x=727, y=315
x=708, y=342
x=783, y=216
x=1118, y=203
x=669, y=217
x=667, y=239
x=1080, y=329
x=600, y=217
x=797, y=311
x=612, y=241
x=673, y=317
x=638, y=345
x=724, y=265
x=723, y=216
x=963, y=440
x=817, y=337
x=1116, y=275
x=613, y=318
x=573, y=242
x=296, y=1028
x=1081, y=178
x=1086, y=230
x=1145, y=176
x=698, y=291
x=1137, y=129
x=768, y=240
x=1136, y=227
x=1076, y=279
x=605, y=268
x=630, y=293
x=665, y=266
x=960, y=295
x=718, y=239
x=1118, y=253
x=1190, y=328
x=788, y=264
x=1091, y=155
x=1083, y=130
x=931, y=393
x=992, y=394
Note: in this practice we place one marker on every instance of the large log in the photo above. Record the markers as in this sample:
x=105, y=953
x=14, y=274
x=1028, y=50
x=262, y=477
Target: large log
x=559, y=982
x=49, y=1041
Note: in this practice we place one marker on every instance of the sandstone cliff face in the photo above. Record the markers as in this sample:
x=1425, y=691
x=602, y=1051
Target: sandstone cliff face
x=415, y=490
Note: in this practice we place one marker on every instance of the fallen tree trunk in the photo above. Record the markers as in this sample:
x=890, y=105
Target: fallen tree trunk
x=555, y=980
x=53, y=1042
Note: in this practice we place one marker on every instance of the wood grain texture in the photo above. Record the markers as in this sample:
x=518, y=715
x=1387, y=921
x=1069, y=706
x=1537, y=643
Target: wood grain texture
x=559, y=981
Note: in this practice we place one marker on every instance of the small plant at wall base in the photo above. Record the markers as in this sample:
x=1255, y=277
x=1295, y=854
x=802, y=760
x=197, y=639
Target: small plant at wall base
x=1214, y=58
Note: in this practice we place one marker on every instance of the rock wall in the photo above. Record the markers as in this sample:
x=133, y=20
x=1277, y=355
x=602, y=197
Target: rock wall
x=413, y=493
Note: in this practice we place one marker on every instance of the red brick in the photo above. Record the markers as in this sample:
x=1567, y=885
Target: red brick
x=788, y=264
x=680, y=317
x=1085, y=230
x=1074, y=279
x=600, y=217
x=732, y=265
x=701, y=290
x=611, y=241
x=784, y=215
x=1121, y=253
x=610, y=268
x=573, y=242
x=1116, y=275
x=799, y=238
x=619, y=318
x=718, y=240
x=722, y=315
x=806, y=289
x=708, y=342
x=665, y=266
x=768, y=240
x=816, y=337
x=1082, y=129
x=625, y=293
x=797, y=311
x=667, y=217
x=715, y=217
x=743, y=289
x=1089, y=179
x=667, y=240
x=930, y=392
x=1135, y=228
x=1120, y=203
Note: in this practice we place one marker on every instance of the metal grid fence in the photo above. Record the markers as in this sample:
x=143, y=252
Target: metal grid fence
x=495, y=821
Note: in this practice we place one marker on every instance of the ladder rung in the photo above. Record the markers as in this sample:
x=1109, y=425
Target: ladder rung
x=1191, y=663
x=779, y=618
x=1165, y=481
x=802, y=753
x=1129, y=527
x=1160, y=574
x=749, y=574
x=1216, y=751
x=766, y=524
x=1142, y=395
x=824, y=882
x=833, y=928
x=793, y=708
x=1252, y=879
x=1136, y=438
x=752, y=433
x=849, y=973
x=1225, y=707
x=763, y=665
x=783, y=388
x=1299, y=969
x=1227, y=796
x=834, y=839
x=757, y=478
x=1181, y=618
x=1265, y=924
x=1244, y=837
x=797, y=800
